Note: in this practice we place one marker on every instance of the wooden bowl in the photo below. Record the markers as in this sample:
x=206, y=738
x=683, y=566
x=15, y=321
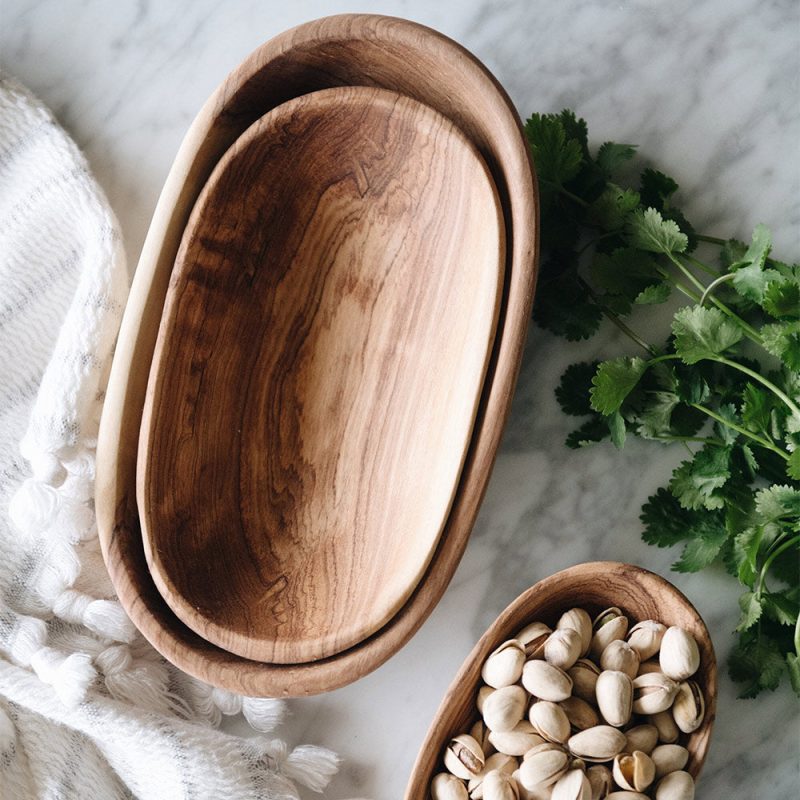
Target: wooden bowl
x=318, y=368
x=347, y=50
x=594, y=586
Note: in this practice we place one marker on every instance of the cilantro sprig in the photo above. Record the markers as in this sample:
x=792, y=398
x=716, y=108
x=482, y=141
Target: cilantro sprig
x=723, y=382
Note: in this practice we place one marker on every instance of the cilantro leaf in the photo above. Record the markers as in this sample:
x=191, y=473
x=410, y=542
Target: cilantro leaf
x=703, y=333
x=778, y=502
x=782, y=299
x=656, y=188
x=573, y=389
x=652, y=295
x=697, y=482
x=614, y=381
x=750, y=278
x=793, y=465
x=793, y=665
x=648, y=230
x=564, y=307
x=702, y=550
x=750, y=605
x=667, y=523
x=611, y=156
x=616, y=427
x=781, y=607
x=782, y=339
x=756, y=409
x=611, y=210
x=745, y=551
x=756, y=661
x=557, y=156
x=656, y=418
x=592, y=431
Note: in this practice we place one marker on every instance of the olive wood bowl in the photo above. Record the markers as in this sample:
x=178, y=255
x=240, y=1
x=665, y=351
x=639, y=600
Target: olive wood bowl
x=345, y=50
x=594, y=586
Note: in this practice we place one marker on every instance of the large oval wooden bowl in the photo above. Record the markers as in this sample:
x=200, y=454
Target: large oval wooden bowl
x=368, y=50
x=317, y=373
x=595, y=586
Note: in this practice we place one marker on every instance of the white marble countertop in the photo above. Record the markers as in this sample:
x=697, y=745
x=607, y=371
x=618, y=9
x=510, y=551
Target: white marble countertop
x=709, y=90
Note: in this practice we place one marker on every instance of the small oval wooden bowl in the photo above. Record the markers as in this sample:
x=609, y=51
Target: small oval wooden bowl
x=347, y=50
x=640, y=594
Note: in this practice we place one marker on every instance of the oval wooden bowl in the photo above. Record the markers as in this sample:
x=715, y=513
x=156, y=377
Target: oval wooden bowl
x=317, y=373
x=595, y=586
x=369, y=50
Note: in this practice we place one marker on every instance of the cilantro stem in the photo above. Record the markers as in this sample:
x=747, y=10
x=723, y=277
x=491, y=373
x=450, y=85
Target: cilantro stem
x=763, y=381
x=566, y=192
x=762, y=577
x=797, y=636
x=713, y=285
x=701, y=237
x=739, y=429
x=699, y=439
x=678, y=285
x=702, y=265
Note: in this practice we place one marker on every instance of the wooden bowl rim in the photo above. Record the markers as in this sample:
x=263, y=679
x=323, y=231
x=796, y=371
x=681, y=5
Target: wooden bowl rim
x=420, y=778
x=116, y=508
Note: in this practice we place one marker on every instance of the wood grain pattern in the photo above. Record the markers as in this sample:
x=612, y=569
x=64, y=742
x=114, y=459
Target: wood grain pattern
x=346, y=50
x=595, y=586
x=317, y=373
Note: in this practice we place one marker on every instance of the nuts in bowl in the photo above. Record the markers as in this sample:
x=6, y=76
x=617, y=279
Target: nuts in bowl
x=600, y=681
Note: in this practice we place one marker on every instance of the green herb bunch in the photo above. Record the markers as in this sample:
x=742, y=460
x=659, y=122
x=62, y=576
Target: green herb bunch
x=725, y=382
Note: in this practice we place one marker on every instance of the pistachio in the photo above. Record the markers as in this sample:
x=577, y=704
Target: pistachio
x=544, y=766
x=516, y=742
x=642, y=737
x=447, y=787
x=578, y=620
x=464, y=757
x=600, y=743
x=669, y=758
x=614, y=697
x=667, y=729
x=563, y=647
x=634, y=771
x=584, y=678
x=653, y=692
x=480, y=733
x=579, y=713
x=625, y=795
x=499, y=786
x=532, y=637
x=549, y=721
x=645, y=637
x=495, y=763
x=689, y=707
x=646, y=667
x=680, y=656
x=537, y=792
x=600, y=780
x=504, y=665
x=577, y=763
x=483, y=693
x=546, y=681
x=620, y=656
x=675, y=786
x=611, y=624
x=504, y=708
x=572, y=785
x=544, y=747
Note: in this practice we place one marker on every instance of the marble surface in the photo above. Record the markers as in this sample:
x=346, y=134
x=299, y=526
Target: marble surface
x=709, y=90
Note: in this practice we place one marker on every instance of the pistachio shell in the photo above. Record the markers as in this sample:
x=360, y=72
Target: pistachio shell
x=675, y=786
x=546, y=681
x=504, y=708
x=620, y=656
x=583, y=675
x=532, y=638
x=447, y=787
x=645, y=637
x=579, y=713
x=543, y=766
x=498, y=762
x=480, y=733
x=646, y=667
x=600, y=743
x=609, y=625
x=653, y=692
x=516, y=742
x=614, y=697
x=641, y=737
x=572, y=785
x=625, y=795
x=578, y=620
x=499, y=786
x=563, y=647
x=680, y=655
x=600, y=780
x=667, y=729
x=483, y=693
x=544, y=747
x=464, y=757
x=537, y=792
x=669, y=758
x=504, y=665
x=549, y=721
x=634, y=771
x=689, y=707
x=577, y=763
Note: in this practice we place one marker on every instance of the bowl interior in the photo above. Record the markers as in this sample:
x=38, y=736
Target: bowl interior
x=595, y=586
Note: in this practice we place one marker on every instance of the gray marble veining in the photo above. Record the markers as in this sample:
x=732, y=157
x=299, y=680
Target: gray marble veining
x=708, y=90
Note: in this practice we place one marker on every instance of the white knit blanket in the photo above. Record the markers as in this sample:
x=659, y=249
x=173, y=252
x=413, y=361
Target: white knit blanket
x=87, y=708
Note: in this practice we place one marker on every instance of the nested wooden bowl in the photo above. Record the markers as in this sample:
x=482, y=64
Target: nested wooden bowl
x=595, y=586
x=364, y=50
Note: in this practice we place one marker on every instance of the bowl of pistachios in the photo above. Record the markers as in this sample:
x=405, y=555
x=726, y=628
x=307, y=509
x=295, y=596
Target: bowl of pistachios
x=598, y=682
